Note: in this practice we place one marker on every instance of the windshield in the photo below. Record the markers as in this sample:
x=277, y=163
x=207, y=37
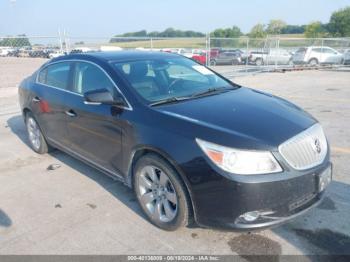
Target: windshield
x=162, y=79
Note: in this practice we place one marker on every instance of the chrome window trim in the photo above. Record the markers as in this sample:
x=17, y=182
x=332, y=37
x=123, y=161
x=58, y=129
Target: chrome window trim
x=128, y=107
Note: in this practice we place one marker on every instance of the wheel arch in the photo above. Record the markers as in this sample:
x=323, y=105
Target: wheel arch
x=259, y=59
x=25, y=111
x=313, y=58
x=144, y=150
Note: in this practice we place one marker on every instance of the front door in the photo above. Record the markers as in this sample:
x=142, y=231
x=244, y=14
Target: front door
x=94, y=130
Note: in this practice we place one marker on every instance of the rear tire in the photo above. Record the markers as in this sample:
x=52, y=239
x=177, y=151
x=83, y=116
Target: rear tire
x=235, y=62
x=36, y=139
x=161, y=193
x=212, y=62
x=313, y=62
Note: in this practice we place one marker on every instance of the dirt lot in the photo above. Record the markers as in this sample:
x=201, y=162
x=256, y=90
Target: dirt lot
x=77, y=210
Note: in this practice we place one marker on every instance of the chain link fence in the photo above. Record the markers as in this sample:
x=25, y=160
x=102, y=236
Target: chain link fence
x=235, y=55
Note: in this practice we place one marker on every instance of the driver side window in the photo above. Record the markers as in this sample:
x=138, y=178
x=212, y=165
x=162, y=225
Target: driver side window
x=89, y=77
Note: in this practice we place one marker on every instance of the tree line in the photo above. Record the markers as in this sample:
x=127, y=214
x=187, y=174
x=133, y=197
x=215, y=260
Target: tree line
x=338, y=26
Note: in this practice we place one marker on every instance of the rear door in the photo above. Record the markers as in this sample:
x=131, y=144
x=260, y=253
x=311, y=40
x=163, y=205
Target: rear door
x=94, y=130
x=317, y=52
x=331, y=56
x=50, y=89
x=272, y=57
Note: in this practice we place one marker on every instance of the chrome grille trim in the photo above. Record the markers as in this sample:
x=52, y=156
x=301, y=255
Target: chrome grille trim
x=305, y=150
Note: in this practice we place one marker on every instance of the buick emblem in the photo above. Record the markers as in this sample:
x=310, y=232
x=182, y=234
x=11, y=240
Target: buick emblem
x=316, y=145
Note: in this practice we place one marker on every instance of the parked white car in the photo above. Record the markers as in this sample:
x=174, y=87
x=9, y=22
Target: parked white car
x=271, y=57
x=315, y=55
x=4, y=51
x=110, y=48
x=56, y=54
x=79, y=50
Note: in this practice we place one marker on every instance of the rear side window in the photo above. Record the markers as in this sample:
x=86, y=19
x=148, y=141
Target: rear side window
x=42, y=76
x=56, y=75
x=318, y=50
x=329, y=51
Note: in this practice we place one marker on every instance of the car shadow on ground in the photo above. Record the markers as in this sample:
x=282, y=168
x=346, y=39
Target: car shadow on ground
x=324, y=230
x=5, y=220
x=114, y=187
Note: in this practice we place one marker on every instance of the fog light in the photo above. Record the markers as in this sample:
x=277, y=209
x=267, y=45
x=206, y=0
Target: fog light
x=250, y=216
x=325, y=179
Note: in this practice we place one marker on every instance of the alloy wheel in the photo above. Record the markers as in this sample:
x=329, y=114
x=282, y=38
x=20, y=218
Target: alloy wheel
x=34, y=133
x=157, y=194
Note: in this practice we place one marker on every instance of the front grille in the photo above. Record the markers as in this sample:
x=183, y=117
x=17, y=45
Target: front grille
x=305, y=150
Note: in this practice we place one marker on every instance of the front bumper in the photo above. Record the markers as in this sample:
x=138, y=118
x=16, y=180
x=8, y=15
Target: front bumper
x=221, y=202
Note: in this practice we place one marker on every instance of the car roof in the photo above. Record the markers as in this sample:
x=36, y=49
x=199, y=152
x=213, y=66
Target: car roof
x=116, y=56
x=319, y=46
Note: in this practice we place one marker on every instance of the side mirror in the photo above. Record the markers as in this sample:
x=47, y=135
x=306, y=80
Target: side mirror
x=102, y=96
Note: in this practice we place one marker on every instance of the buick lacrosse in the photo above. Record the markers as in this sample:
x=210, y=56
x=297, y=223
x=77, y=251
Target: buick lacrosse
x=194, y=146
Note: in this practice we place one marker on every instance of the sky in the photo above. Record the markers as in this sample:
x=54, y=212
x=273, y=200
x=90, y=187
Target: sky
x=104, y=18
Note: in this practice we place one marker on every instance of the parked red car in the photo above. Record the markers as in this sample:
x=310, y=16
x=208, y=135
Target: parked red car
x=200, y=58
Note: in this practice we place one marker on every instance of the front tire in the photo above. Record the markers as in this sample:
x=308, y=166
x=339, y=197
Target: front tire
x=259, y=62
x=161, y=193
x=36, y=139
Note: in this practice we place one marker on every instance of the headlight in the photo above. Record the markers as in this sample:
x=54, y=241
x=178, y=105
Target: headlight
x=240, y=161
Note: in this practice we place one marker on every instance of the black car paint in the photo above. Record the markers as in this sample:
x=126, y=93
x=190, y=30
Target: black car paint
x=111, y=139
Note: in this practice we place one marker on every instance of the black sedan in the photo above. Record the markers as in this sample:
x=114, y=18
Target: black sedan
x=194, y=146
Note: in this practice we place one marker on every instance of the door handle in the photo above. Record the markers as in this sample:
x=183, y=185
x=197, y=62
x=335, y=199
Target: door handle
x=71, y=113
x=36, y=99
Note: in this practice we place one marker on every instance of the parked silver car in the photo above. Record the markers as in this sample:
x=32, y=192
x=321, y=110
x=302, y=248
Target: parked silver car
x=315, y=55
x=271, y=57
x=347, y=57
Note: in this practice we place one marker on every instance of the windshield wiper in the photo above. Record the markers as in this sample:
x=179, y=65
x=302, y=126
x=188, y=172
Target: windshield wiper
x=211, y=91
x=170, y=100
x=176, y=99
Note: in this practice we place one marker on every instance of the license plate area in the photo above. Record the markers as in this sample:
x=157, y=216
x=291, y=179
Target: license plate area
x=301, y=202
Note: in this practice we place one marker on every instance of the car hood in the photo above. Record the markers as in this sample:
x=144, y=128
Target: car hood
x=244, y=114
